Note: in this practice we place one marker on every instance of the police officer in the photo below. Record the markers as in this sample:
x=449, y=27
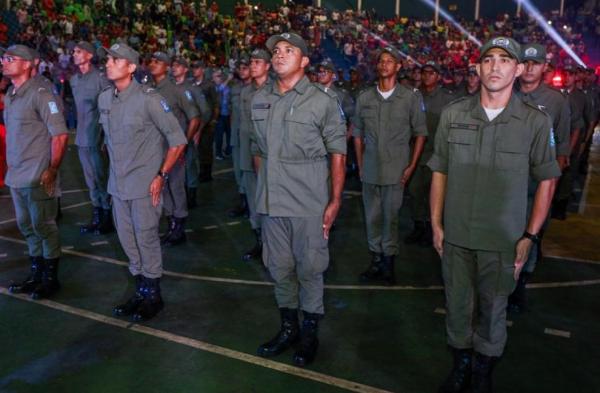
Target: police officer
x=534, y=92
x=243, y=72
x=326, y=76
x=472, y=85
x=181, y=103
x=179, y=70
x=297, y=125
x=36, y=141
x=435, y=98
x=486, y=148
x=260, y=64
x=87, y=85
x=144, y=141
x=205, y=144
x=387, y=116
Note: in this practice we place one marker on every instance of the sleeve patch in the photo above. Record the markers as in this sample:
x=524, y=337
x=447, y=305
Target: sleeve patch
x=53, y=107
x=188, y=95
x=165, y=106
x=422, y=106
x=552, y=140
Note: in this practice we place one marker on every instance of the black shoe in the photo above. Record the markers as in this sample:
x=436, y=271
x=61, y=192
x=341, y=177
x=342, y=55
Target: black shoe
x=517, y=301
x=374, y=271
x=94, y=223
x=426, y=239
x=481, y=380
x=152, y=303
x=177, y=235
x=256, y=251
x=191, y=197
x=286, y=337
x=133, y=302
x=33, y=280
x=416, y=234
x=170, y=226
x=241, y=210
x=387, y=270
x=559, y=209
x=49, y=285
x=460, y=377
x=106, y=223
x=309, y=341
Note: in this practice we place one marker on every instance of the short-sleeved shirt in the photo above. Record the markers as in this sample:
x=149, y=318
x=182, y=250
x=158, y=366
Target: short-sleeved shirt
x=246, y=126
x=576, y=100
x=139, y=126
x=180, y=100
x=198, y=98
x=488, y=165
x=211, y=95
x=556, y=105
x=346, y=101
x=386, y=127
x=235, y=104
x=293, y=134
x=86, y=89
x=32, y=116
x=434, y=102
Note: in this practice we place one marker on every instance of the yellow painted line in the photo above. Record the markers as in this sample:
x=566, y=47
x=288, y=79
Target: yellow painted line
x=204, y=346
x=558, y=333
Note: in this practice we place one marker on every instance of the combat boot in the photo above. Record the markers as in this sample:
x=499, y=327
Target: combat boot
x=177, y=235
x=256, y=251
x=286, y=337
x=106, y=224
x=94, y=223
x=241, y=210
x=481, y=381
x=309, y=341
x=152, y=303
x=460, y=377
x=387, y=270
x=133, y=302
x=49, y=285
x=33, y=280
x=517, y=301
x=375, y=269
x=171, y=226
x=416, y=234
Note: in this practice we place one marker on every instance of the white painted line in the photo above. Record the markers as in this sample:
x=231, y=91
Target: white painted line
x=440, y=311
x=7, y=221
x=558, y=333
x=189, y=231
x=211, y=227
x=75, y=191
x=222, y=171
x=204, y=346
x=3, y=255
x=509, y=323
x=99, y=243
x=353, y=193
x=568, y=259
x=233, y=223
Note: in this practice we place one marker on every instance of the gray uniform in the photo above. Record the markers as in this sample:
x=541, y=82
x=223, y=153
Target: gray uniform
x=487, y=164
x=293, y=134
x=32, y=117
x=192, y=170
x=386, y=127
x=181, y=103
x=235, y=104
x=86, y=89
x=205, y=147
x=138, y=127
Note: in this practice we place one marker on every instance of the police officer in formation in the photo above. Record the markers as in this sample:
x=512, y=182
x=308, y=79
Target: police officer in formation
x=36, y=141
x=86, y=86
x=144, y=141
x=260, y=65
x=387, y=117
x=326, y=77
x=486, y=147
x=534, y=92
x=182, y=105
x=299, y=147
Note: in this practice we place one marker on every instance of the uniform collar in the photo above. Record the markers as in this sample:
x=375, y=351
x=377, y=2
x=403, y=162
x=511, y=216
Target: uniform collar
x=433, y=92
x=23, y=89
x=133, y=87
x=514, y=108
x=300, y=87
x=165, y=81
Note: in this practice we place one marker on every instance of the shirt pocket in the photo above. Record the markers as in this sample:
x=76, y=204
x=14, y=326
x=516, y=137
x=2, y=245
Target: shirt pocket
x=302, y=136
x=511, y=154
x=462, y=146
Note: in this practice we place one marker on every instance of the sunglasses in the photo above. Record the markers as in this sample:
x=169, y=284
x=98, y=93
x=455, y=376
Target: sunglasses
x=11, y=59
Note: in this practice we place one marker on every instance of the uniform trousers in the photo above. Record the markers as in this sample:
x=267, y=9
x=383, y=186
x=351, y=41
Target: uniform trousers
x=95, y=172
x=249, y=185
x=173, y=194
x=382, y=205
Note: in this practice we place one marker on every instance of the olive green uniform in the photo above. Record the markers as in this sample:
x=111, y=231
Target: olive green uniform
x=32, y=117
x=138, y=126
x=487, y=164
x=205, y=146
x=235, y=104
x=386, y=127
x=293, y=134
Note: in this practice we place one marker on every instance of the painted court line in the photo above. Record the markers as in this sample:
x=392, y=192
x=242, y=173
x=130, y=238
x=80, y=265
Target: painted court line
x=204, y=346
x=99, y=243
x=222, y=171
x=558, y=333
x=579, y=260
x=233, y=223
x=3, y=255
x=211, y=227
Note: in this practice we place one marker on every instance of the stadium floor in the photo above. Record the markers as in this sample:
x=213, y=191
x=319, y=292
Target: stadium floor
x=219, y=309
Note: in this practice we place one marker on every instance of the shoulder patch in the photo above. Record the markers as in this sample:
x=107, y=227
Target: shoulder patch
x=53, y=107
x=165, y=106
x=552, y=140
x=188, y=95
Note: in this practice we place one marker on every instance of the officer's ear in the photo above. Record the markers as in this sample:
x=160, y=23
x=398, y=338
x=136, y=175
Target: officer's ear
x=398, y=66
x=131, y=68
x=520, y=69
x=478, y=68
x=305, y=61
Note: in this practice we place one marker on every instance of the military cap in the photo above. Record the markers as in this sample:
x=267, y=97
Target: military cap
x=181, y=61
x=534, y=52
x=569, y=69
x=86, y=46
x=391, y=51
x=199, y=64
x=432, y=64
x=291, y=38
x=22, y=51
x=161, y=56
x=123, y=51
x=328, y=65
x=244, y=60
x=509, y=45
x=260, y=54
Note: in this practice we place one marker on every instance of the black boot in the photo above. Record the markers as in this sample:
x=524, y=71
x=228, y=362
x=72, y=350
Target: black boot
x=152, y=303
x=177, y=234
x=205, y=173
x=460, y=376
x=33, y=280
x=517, y=300
x=256, y=251
x=416, y=234
x=191, y=197
x=240, y=210
x=387, y=270
x=58, y=210
x=309, y=341
x=94, y=223
x=559, y=209
x=374, y=271
x=133, y=302
x=106, y=223
x=427, y=237
x=481, y=381
x=171, y=226
x=287, y=335
x=49, y=285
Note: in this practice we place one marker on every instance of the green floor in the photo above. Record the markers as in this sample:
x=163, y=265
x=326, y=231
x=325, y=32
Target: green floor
x=381, y=338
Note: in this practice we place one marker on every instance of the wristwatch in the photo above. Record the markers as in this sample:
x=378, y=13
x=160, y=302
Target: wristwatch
x=534, y=238
x=164, y=175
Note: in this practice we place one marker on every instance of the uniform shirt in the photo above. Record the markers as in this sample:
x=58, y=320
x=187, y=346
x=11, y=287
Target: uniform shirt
x=386, y=127
x=346, y=101
x=246, y=126
x=198, y=98
x=577, y=103
x=488, y=164
x=234, y=104
x=556, y=105
x=293, y=133
x=179, y=100
x=32, y=117
x=209, y=90
x=434, y=102
x=86, y=89
x=138, y=126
